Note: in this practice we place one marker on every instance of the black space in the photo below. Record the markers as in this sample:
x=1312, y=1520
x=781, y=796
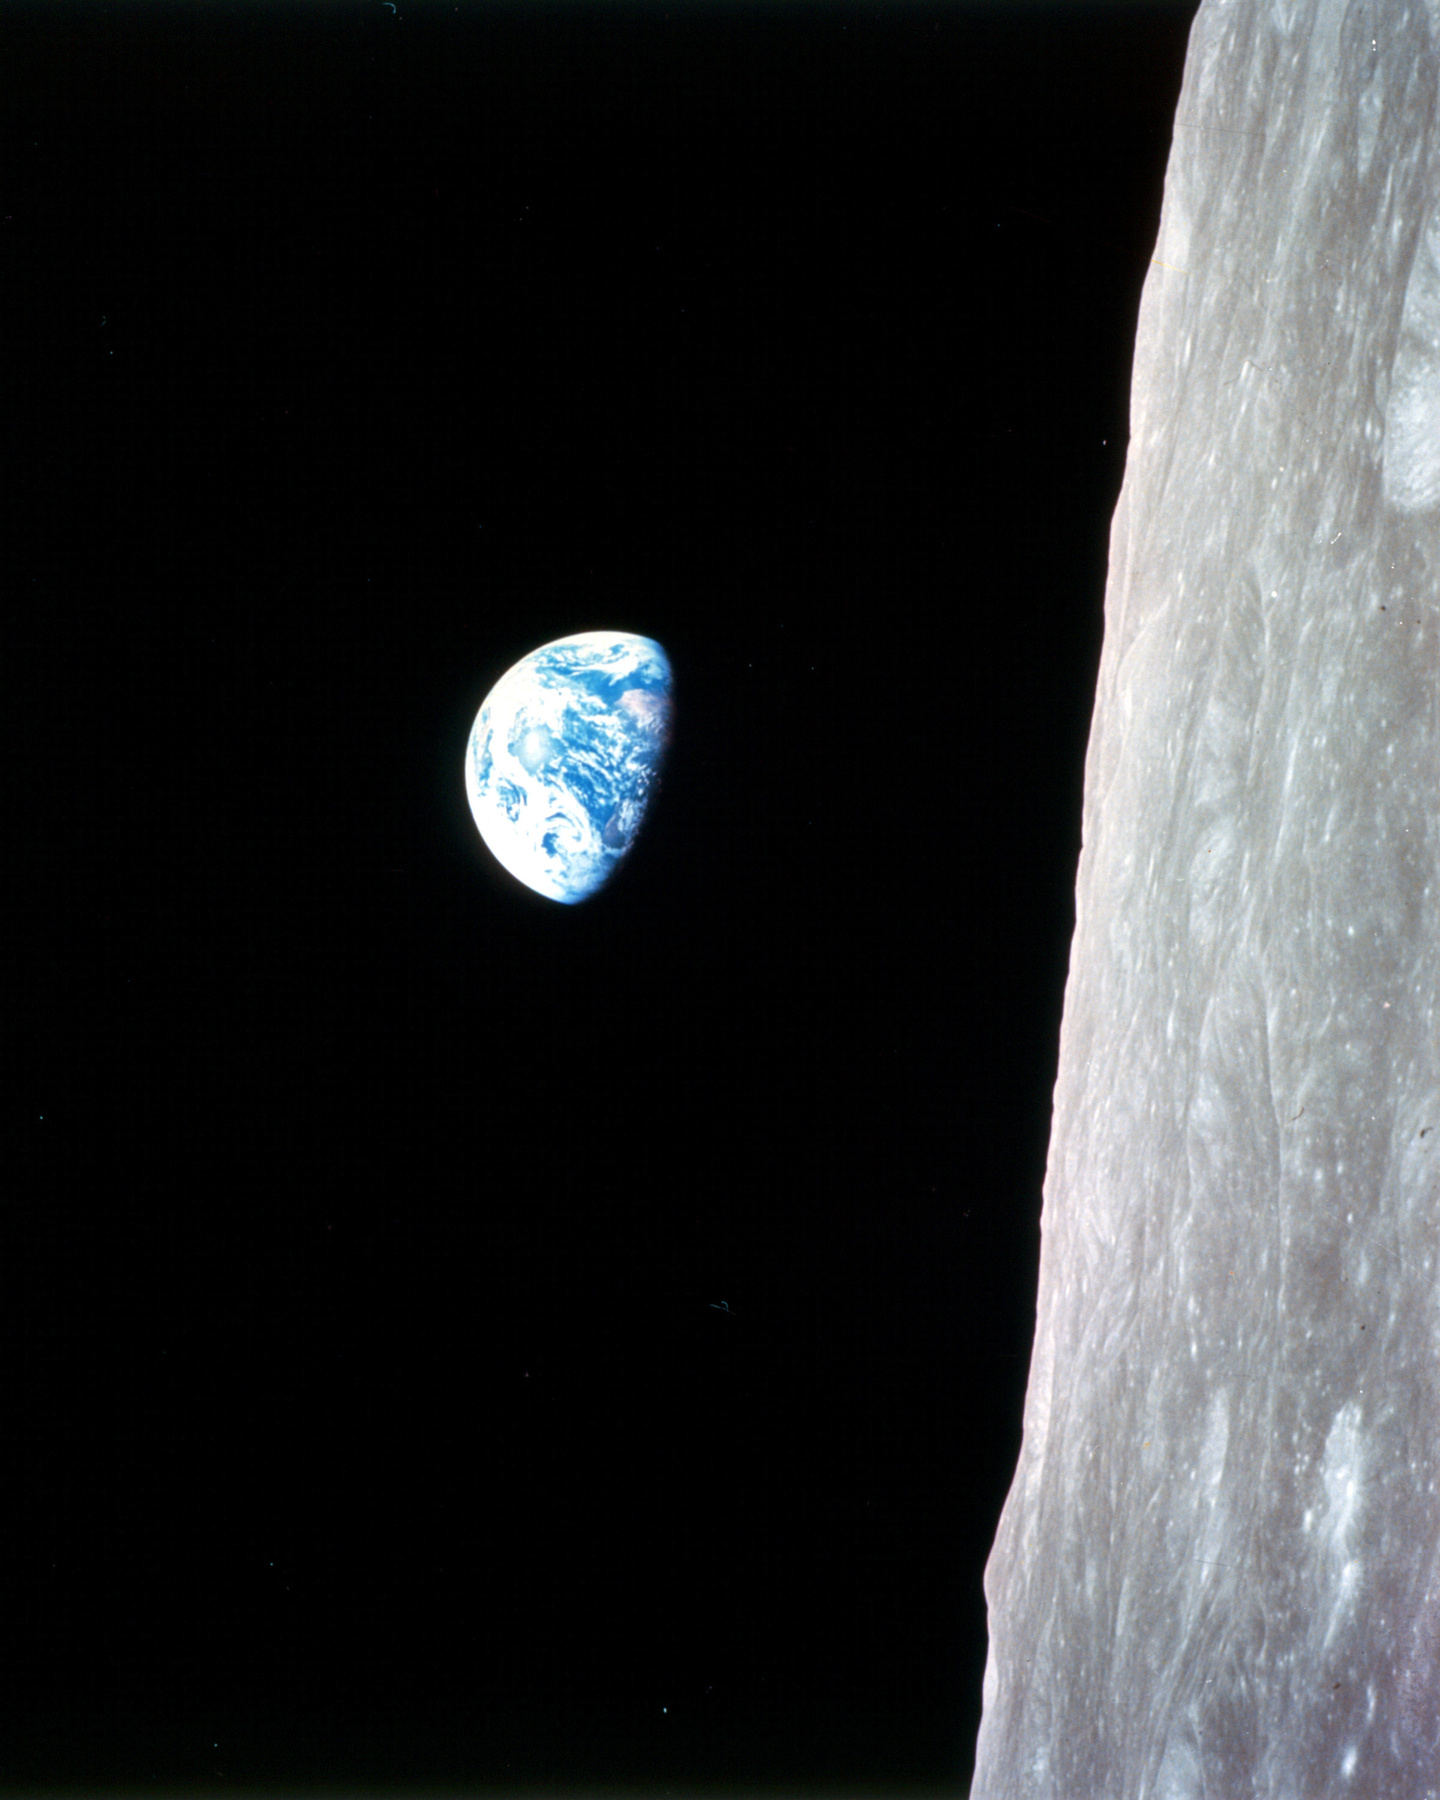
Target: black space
x=370, y=1416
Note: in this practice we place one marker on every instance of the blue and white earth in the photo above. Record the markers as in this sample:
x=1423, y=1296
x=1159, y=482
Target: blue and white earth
x=564, y=755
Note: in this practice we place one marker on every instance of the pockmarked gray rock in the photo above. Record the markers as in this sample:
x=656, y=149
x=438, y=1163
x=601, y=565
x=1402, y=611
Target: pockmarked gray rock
x=1218, y=1569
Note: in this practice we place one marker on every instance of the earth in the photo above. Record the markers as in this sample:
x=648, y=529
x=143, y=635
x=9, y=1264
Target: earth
x=564, y=756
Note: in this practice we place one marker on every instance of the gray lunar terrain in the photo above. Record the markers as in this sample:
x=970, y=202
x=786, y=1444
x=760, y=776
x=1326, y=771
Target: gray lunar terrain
x=1218, y=1569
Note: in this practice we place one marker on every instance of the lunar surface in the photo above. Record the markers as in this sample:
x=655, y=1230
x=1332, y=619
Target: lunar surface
x=1218, y=1569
